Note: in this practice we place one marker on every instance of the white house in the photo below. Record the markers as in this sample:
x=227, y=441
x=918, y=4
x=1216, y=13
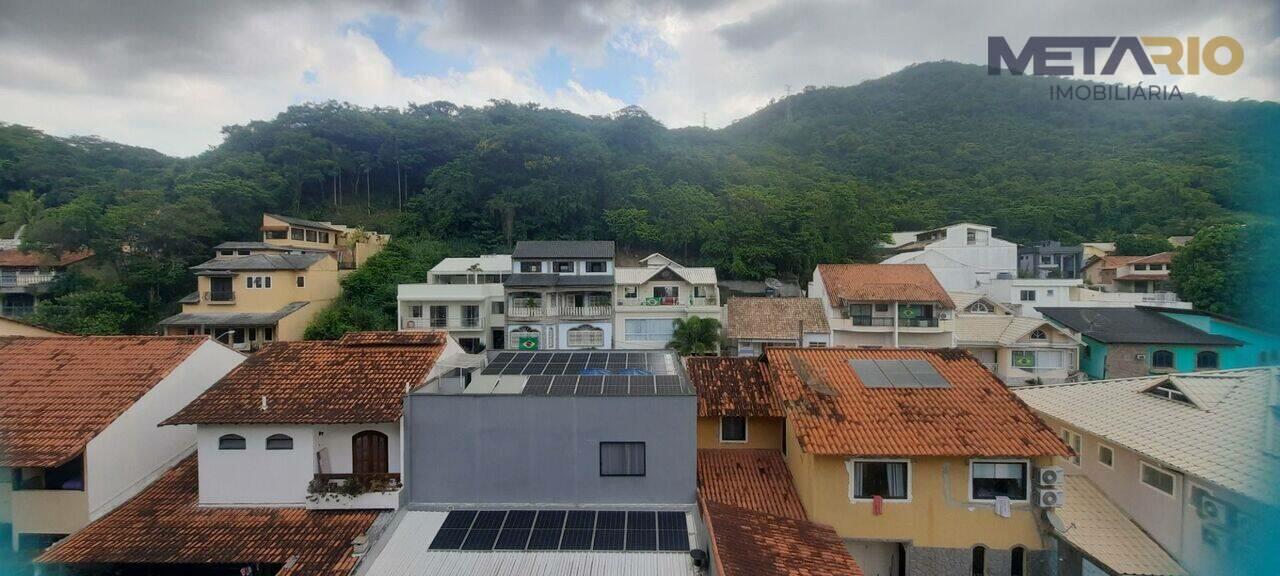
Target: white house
x=559, y=295
x=1020, y=350
x=300, y=418
x=962, y=256
x=79, y=424
x=463, y=296
x=651, y=297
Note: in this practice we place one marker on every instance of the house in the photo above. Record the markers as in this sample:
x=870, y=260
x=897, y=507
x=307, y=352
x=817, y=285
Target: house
x=24, y=276
x=299, y=412
x=1097, y=249
x=756, y=522
x=78, y=422
x=463, y=296
x=649, y=299
x=737, y=408
x=560, y=296
x=755, y=323
x=1187, y=459
x=962, y=256
x=1133, y=274
x=351, y=247
x=298, y=451
x=549, y=462
x=921, y=460
x=884, y=305
x=1129, y=342
x=1050, y=259
x=767, y=288
x=18, y=327
x=1019, y=350
x=1027, y=295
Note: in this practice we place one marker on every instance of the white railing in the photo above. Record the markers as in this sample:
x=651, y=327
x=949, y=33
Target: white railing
x=537, y=311
x=670, y=301
x=419, y=323
x=586, y=311
x=25, y=279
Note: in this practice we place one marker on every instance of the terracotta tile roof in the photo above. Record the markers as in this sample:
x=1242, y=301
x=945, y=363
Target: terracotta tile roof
x=1143, y=276
x=57, y=393
x=732, y=387
x=40, y=259
x=358, y=379
x=833, y=413
x=165, y=525
x=1160, y=258
x=1112, y=262
x=749, y=543
x=882, y=283
x=753, y=479
x=775, y=318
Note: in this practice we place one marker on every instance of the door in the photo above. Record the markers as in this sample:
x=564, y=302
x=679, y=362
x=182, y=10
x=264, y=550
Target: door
x=369, y=452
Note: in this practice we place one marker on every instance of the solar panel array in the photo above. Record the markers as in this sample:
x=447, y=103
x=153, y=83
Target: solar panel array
x=576, y=363
x=898, y=374
x=570, y=530
x=605, y=386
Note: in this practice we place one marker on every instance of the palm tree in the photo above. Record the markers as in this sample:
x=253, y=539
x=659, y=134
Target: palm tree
x=696, y=336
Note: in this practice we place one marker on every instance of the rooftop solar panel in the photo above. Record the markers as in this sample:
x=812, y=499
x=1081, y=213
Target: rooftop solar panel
x=639, y=539
x=489, y=520
x=519, y=519
x=926, y=374
x=577, y=539
x=581, y=520
x=504, y=357
x=512, y=369
x=512, y=539
x=869, y=373
x=609, y=540
x=611, y=520
x=562, y=530
x=672, y=521
x=550, y=519
x=448, y=539
x=544, y=539
x=493, y=369
x=532, y=368
x=898, y=375
x=480, y=539
x=459, y=520
x=673, y=540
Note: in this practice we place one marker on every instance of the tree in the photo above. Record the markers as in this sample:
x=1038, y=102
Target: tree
x=1141, y=245
x=1217, y=271
x=22, y=208
x=91, y=312
x=696, y=336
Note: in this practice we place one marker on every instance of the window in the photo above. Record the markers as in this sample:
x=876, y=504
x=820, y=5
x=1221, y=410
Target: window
x=296, y=233
x=1162, y=359
x=227, y=253
x=529, y=267
x=563, y=267
x=622, y=458
x=257, y=281
x=1073, y=440
x=1157, y=478
x=1106, y=456
x=972, y=237
x=242, y=252
x=979, y=563
x=1168, y=391
x=1049, y=292
x=629, y=292
x=1046, y=259
x=1039, y=334
x=311, y=236
x=1207, y=360
x=1027, y=295
x=1024, y=358
x=817, y=344
x=415, y=311
x=666, y=292
x=231, y=442
x=888, y=479
x=268, y=334
x=279, y=442
x=1139, y=266
x=276, y=235
x=733, y=428
x=324, y=237
x=586, y=336
x=649, y=329
x=439, y=316
x=301, y=281
x=980, y=308
x=991, y=479
x=1018, y=561
x=699, y=291
x=881, y=307
x=497, y=307
x=597, y=266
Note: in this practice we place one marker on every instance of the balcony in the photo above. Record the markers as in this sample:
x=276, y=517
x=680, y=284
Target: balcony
x=888, y=321
x=464, y=323
x=219, y=296
x=583, y=312
x=23, y=280
x=528, y=311
x=669, y=301
x=354, y=492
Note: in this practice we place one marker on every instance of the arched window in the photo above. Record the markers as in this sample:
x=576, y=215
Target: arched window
x=369, y=452
x=1039, y=334
x=586, y=336
x=1206, y=359
x=1018, y=561
x=1162, y=359
x=279, y=442
x=979, y=561
x=231, y=442
x=980, y=308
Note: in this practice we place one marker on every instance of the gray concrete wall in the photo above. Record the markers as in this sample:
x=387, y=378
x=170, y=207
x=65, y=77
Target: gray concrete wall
x=959, y=561
x=489, y=449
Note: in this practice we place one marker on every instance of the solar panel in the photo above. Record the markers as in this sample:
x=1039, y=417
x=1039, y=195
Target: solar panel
x=641, y=385
x=926, y=374
x=535, y=389
x=512, y=369
x=611, y=520
x=493, y=369
x=580, y=520
x=869, y=373
x=897, y=374
x=673, y=540
x=575, y=367
x=489, y=520
x=672, y=521
x=504, y=357
x=480, y=539
x=638, y=540
x=609, y=540
x=459, y=520
x=550, y=519
x=561, y=357
x=544, y=540
x=579, y=357
x=519, y=519
x=577, y=539
x=513, y=539
x=532, y=368
x=448, y=539
x=562, y=530
x=524, y=357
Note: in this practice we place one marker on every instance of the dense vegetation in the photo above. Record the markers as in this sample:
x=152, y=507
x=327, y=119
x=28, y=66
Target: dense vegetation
x=817, y=177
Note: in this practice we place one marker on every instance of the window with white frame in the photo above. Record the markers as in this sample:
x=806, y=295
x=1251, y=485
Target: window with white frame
x=629, y=291
x=257, y=282
x=1039, y=334
x=1106, y=456
x=1027, y=295
x=564, y=267
x=979, y=308
x=649, y=329
x=990, y=479
x=1075, y=442
x=415, y=311
x=497, y=307
x=888, y=479
x=1156, y=478
x=733, y=428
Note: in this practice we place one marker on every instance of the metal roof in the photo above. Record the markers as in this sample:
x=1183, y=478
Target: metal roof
x=564, y=249
x=232, y=318
x=1132, y=326
x=261, y=262
x=305, y=223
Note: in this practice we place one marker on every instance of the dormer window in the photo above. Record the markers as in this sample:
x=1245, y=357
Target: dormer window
x=980, y=308
x=1169, y=391
x=231, y=442
x=1039, y=334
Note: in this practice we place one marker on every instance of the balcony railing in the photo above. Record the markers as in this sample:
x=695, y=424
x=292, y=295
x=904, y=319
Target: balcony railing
x=917, y=322
x=371, y=492
x=586, y=311
x=419, y=323
x=222, y=296
x=17, y=280
x=669, y=301
x=535, y=311
x=889, y=321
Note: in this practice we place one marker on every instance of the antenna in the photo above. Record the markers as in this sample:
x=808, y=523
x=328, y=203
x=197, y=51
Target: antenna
x=788, y=103
x=704, y=120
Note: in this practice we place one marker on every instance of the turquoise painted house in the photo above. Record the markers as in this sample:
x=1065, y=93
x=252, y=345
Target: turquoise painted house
x=1130, y=342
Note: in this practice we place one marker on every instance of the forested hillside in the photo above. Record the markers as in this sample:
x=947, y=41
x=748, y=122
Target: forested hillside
x=817, y=177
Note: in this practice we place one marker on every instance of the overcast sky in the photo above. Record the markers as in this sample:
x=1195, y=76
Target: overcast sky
x=168, y=74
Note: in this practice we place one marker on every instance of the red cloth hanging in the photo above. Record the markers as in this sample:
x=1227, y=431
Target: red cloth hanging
x=877, y=505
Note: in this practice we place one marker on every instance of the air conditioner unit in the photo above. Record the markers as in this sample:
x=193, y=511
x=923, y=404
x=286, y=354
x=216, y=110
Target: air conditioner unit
x=1049, y=476
x=1139, y=356
x=1050, y=498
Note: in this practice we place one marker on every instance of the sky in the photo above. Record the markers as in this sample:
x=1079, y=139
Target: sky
x=169, y=74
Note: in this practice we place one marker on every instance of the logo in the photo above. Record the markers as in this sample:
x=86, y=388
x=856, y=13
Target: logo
x=1059, y=55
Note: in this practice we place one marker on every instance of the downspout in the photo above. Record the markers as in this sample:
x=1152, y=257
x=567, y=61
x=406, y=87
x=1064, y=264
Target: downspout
x=895, y=323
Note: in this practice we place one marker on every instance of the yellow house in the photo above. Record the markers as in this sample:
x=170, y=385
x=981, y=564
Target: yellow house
x=15, y=327
x=350, y=246
x=737, y=409
x=922, y=461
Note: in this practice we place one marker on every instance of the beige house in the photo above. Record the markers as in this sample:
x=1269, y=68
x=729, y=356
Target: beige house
x=754, y=324
x=649, y=299
x=1019, y=350
x=252, y=293
x=14, y=327
x=884, y=305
